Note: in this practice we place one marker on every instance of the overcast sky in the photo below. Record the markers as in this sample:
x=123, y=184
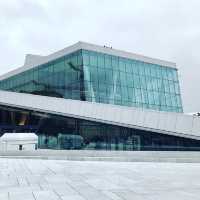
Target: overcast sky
x=165, y=29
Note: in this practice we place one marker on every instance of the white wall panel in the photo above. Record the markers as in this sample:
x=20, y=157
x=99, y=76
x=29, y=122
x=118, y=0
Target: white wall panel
x=164, y=122
x=151, y=119
x=140, y=118
x=125, y=116
x=113, y=114
x=100, y=111
x=134, y=115
x=196, y=126
x=184, y=124
x=170, y=122
x=81, y=109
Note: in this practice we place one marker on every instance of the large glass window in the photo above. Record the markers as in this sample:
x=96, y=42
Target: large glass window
x=93, y=76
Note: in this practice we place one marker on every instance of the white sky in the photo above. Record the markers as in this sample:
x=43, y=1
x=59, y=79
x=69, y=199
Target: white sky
x=165, y=29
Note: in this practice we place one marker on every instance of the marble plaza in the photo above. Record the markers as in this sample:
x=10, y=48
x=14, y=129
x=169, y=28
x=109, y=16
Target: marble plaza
x=27, y=179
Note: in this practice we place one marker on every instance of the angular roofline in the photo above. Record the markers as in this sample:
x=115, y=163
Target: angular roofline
x=36, y=60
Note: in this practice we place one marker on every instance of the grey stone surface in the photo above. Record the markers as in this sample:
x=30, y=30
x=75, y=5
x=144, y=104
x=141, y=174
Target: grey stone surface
x=113, y=156
x=76, y=180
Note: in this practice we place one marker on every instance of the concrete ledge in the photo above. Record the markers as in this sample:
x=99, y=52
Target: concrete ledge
x=110, y=156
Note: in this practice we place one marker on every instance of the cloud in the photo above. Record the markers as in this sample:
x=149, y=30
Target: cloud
x=165, y=29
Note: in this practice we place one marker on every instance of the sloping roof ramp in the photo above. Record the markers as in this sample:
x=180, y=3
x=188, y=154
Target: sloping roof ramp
x=177, y=124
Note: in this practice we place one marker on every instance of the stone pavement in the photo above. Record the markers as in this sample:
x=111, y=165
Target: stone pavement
x=77, y=180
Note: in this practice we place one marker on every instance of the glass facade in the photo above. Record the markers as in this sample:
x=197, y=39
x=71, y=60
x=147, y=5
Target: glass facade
x=97, y=77
x=57, y=132
x=117, y=80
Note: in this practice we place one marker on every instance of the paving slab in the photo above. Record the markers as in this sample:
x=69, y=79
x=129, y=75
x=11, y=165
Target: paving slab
x=33, y=179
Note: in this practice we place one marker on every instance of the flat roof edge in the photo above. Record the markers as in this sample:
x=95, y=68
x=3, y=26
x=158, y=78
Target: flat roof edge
x=126, y=54
x=91, y=47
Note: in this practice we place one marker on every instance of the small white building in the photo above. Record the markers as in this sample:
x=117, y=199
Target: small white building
x=18, y=142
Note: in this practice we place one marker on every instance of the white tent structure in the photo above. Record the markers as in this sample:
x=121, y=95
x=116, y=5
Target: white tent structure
x=18, y=142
